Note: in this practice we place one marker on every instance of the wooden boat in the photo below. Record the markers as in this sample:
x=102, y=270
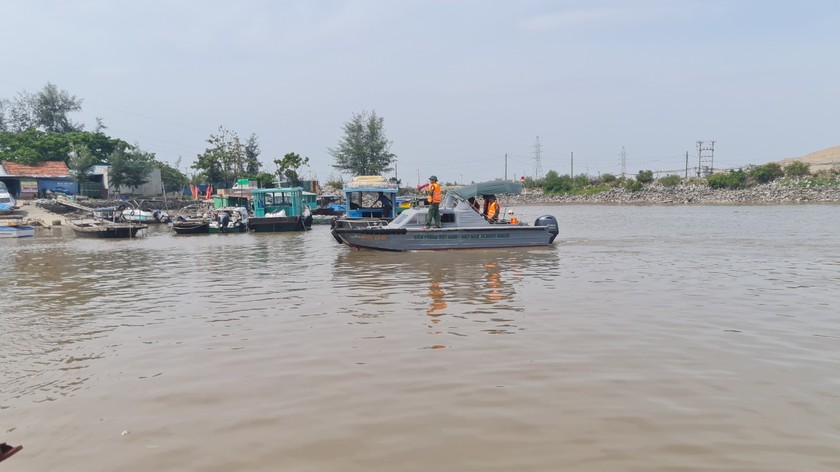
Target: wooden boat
x=462, y=227
x=192, y=226
x=193, y=219
x=279, y=210
x=97, y=228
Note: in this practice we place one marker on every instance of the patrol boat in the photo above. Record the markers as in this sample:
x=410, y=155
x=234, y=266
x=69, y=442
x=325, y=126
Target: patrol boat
x=461, y=226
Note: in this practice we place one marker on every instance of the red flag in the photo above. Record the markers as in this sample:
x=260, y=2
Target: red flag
x=209, y=192
x=194, y=191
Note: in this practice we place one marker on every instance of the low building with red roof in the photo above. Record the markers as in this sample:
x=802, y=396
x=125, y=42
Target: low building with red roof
x=28, y=182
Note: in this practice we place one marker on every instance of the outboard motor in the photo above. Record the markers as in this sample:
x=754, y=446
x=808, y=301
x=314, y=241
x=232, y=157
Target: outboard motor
x=551, y=222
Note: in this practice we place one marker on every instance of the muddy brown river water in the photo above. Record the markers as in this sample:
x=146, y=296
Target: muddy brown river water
x=647, y=338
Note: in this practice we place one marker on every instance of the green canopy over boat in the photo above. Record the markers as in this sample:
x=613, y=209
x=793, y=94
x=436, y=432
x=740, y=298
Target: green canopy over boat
x=495, y=187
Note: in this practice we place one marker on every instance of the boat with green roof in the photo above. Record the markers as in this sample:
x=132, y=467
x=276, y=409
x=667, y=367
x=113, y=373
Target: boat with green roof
x=280, y=210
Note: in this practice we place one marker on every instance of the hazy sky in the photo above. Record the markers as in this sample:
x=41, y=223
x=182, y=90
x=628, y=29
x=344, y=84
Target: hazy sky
x=459, y=83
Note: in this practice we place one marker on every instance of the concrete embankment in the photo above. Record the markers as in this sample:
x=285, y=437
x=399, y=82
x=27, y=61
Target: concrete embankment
x=35, y=215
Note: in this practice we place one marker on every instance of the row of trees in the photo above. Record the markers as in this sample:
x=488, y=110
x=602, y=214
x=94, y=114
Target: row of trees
x=36, y=127
x=228, y=159
x=363, y=150
x=732, y=179
x=46, y=110
x=741, y=178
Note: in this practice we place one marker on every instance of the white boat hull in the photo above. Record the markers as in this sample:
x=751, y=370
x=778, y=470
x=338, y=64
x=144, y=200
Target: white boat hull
x=144, y=216
x=17, y=231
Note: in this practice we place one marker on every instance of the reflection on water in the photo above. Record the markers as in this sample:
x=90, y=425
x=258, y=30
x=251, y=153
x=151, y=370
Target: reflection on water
x=473, y=292
x=437, y=301
x=646, y=338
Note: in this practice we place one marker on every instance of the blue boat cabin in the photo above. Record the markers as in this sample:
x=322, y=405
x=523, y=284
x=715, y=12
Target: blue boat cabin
x=371, y=202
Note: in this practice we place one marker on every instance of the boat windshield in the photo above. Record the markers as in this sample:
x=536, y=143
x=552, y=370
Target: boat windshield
x=401, y=218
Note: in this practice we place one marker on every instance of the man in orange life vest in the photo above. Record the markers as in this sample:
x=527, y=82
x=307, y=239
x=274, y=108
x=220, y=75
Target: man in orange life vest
x=492, y=212
x=433, y=190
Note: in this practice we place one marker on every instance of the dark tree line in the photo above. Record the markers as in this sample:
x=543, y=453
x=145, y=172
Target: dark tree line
x=36, y=127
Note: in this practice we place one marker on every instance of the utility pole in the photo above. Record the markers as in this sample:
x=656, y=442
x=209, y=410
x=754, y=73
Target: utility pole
x=686, y=165
x=505, y=166
x=572, y=175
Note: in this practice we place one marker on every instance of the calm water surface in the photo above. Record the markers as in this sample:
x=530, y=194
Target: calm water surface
x=644, y=339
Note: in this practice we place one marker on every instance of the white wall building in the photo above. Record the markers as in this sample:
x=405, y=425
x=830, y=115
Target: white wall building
x=153, y=186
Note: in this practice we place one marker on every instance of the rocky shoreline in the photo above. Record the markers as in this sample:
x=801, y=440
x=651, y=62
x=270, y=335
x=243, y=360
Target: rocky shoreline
x=49, y=212
x=694, y=194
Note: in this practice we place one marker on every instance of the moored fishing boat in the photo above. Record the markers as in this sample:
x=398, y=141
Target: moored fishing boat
x=279, y=210
x=462, y=227
x=97, y=228
x=192, y=226
x=193, y=219
x=16, y=230
x=145, y=216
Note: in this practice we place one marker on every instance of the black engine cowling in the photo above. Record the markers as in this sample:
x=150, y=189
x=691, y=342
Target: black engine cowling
x=551, y=222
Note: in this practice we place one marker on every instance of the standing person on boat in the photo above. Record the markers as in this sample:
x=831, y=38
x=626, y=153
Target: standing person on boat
x=433, y=191
x=493, y=210
x=224, y=220
x=387, y=205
